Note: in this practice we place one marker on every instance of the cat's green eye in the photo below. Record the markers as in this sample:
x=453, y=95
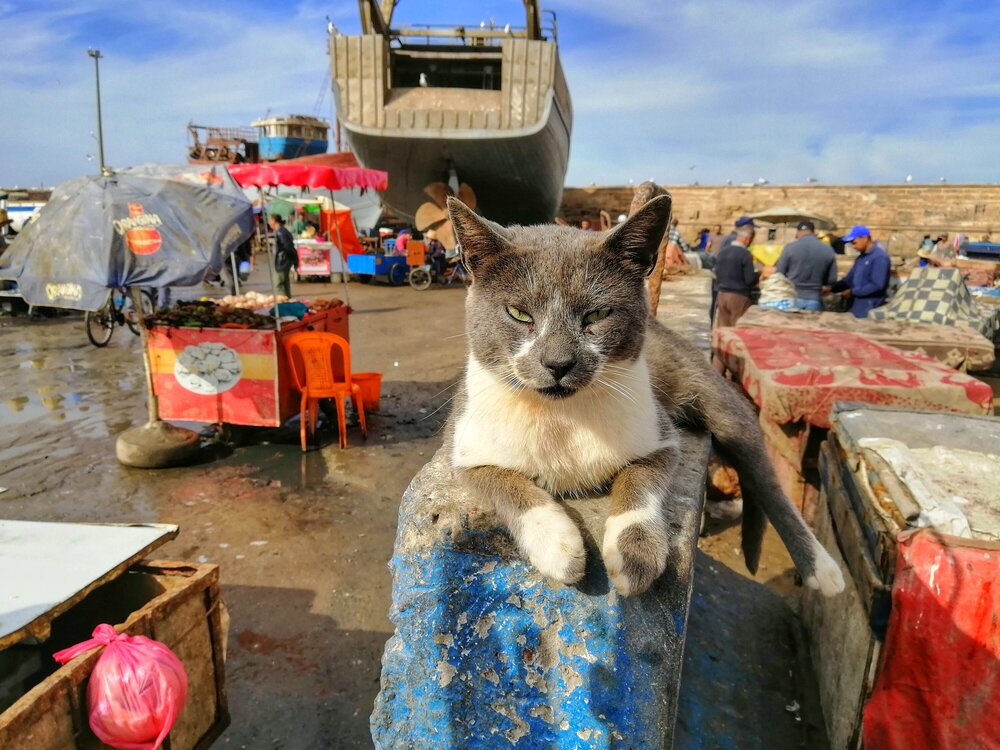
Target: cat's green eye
x=519, y=315
x=596, y=316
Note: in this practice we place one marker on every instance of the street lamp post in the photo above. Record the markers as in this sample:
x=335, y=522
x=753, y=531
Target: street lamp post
x=96, y=54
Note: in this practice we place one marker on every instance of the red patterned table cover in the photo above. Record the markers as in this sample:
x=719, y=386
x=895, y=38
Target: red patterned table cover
x=796, y=376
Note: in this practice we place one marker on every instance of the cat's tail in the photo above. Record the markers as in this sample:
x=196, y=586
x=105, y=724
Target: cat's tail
x=764, y=500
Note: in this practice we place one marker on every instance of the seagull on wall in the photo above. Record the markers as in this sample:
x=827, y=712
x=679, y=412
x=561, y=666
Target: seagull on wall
x=423, y=80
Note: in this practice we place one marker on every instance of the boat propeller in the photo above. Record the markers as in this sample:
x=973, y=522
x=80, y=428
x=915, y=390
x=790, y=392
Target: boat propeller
x=433, y=215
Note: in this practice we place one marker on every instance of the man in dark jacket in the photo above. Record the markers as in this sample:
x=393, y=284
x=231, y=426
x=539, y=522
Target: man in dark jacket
x=285, y=255
x=735, y=278
x=866, y=283
x=810, y=264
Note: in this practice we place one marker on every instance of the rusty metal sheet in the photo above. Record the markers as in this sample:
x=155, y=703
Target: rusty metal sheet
x=46, y=568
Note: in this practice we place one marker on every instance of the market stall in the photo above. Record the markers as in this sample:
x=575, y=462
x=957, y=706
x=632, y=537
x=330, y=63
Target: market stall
x=305, y=176
x=796, y=376
x=233, y=373
x=153, y=226
x=909, y=655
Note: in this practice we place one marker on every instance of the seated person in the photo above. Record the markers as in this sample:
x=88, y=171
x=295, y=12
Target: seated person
x=435, y=252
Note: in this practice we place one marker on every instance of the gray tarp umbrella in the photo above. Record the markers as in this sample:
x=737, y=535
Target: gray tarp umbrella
x=792, y=215
x=149, y=226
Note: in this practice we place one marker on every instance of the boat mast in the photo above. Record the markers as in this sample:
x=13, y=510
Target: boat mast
x=375, y=19
x=533, y=23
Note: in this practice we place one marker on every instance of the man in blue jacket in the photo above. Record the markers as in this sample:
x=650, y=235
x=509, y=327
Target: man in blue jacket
x=866, y=283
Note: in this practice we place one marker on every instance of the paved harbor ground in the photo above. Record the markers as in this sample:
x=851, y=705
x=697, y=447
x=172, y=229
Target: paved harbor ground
x=303, y=540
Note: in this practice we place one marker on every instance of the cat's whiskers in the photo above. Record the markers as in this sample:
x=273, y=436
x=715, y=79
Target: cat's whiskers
x=627, y=371
x=616, y=390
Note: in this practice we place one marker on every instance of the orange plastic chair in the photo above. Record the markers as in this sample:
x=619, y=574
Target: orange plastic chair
x=311, y=356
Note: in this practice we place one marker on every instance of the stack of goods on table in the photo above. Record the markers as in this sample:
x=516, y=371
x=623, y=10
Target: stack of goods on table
x=251, y=300
x=208, y=314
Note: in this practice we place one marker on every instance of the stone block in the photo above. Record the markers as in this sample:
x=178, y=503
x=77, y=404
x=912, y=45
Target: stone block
x=489, y=654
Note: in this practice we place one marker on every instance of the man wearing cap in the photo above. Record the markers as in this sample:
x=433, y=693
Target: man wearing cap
x=810, y=264
x=740, y=223
x=735, y=277
x=866, y=283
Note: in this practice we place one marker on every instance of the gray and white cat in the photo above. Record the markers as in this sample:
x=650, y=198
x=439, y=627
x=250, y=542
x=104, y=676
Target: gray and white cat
x=571, y=386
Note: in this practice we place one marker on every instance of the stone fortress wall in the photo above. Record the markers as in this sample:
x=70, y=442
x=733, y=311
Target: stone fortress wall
x=899, y=215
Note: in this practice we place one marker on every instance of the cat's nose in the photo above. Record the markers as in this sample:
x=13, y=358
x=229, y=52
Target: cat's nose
x=559, y=366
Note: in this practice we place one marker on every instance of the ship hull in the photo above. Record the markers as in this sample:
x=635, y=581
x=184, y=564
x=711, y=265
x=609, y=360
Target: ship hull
x=517, y=175
x=273, y=148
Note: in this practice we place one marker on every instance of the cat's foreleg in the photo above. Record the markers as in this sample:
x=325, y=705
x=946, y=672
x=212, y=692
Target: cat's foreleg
x=542, y=530
x=640, y=527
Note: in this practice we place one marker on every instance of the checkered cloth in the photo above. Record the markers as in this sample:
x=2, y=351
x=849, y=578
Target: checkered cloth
x=939, y=296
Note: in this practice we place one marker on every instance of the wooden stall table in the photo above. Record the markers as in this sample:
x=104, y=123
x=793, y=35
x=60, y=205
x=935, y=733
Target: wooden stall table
x=909, y=655
x=796, y=376
x=254, y=386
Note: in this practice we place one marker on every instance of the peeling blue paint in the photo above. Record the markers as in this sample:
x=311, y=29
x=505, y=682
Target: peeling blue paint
x=487, y=654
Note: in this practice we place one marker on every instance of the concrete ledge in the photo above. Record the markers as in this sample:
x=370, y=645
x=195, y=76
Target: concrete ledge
x=488, y=654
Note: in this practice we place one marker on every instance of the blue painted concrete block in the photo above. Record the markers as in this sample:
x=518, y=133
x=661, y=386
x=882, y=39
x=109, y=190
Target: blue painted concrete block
x=488, y=654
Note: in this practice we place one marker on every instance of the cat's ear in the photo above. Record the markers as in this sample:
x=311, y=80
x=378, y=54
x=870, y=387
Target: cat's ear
x=637, y=239
x=481, y=239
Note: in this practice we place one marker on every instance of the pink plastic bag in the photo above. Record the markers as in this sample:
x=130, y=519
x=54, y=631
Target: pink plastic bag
x=137, y=689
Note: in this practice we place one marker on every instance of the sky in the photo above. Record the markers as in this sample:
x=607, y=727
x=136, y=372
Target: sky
x=704, y=91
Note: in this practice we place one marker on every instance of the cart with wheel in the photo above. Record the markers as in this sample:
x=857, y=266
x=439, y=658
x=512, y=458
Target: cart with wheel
x=388, y=268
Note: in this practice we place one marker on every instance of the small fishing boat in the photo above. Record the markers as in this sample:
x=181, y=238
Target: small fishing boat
x=291, y=136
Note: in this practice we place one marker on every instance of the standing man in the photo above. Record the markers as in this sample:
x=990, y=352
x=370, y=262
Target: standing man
x=810, y=264
x=285, y=256
x=741, y=223
x=735, y=278
x=866, y=283
x=715, y=240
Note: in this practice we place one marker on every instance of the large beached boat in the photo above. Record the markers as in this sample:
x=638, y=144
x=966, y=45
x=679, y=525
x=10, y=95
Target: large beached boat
x=486, y=108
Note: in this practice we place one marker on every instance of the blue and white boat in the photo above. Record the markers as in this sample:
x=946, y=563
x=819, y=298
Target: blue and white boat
x=291, y=136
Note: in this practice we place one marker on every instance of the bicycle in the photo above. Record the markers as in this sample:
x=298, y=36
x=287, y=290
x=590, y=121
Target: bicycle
x=119, y=310
x=421, y=276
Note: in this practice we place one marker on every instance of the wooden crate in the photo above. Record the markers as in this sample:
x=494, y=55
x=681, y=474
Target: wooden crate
x=176, y=603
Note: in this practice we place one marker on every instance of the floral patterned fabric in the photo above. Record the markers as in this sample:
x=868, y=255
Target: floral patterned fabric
x=796, y=376
x=954, y=346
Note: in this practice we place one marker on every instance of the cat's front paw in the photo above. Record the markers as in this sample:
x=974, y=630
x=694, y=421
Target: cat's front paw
x=635, y=552
x=552, y=543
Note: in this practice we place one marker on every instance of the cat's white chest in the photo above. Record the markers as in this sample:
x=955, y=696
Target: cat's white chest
x=565, y=445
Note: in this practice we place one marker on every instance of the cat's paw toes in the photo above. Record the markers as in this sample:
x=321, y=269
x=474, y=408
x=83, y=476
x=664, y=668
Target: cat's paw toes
x=634, y=556
x=826, y=576
x=552, y=543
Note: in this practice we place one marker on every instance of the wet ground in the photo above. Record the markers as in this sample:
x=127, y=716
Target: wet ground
x=303, y=539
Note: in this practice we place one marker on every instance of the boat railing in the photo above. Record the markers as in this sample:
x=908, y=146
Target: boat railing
x=550, y=27
x=482, y=35
x=224, y=133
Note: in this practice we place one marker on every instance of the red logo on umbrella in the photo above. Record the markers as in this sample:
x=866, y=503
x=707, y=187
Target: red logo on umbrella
x=139, y=230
